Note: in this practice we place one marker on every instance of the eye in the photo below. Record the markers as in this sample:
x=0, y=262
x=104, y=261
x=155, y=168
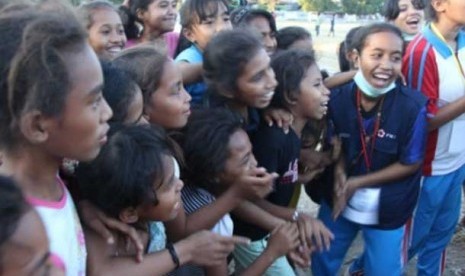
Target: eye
x=105, y=31
x=226, y=18
x=97, y=101
x=208, y=21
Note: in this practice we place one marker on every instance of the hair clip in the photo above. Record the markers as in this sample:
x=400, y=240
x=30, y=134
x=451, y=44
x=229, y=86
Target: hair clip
x=239, y=16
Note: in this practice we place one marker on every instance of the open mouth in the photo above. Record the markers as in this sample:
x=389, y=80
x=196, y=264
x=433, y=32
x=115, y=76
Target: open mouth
x=414, y=22
x=115, y=49
x=268, y=96
x=382, y=79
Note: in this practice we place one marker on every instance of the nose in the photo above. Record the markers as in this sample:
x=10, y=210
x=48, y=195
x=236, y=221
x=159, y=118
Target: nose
x=106, y=113
x=222, y=25
x=326, y=91
x=187, y=96
x=253, y=161
x=270, y=42
x=180, y=185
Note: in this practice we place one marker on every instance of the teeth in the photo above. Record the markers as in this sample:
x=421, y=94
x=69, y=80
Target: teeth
x=382, y=76
x=269, y=94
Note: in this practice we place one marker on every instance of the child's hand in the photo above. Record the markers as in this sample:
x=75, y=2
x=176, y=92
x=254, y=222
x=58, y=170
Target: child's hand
x=100, y=223
x=283, y=239
x=282, y=118
x=342, y=196
x=206, y=248
x=336, y=148
x=312, y=231
x=257, y=184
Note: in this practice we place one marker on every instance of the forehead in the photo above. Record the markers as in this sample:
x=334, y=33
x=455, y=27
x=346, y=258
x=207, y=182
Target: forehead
x=261, y=24
x=386, y=41
x=259, y=62
x=239, y=143
x=105, y=16
x=84, y=70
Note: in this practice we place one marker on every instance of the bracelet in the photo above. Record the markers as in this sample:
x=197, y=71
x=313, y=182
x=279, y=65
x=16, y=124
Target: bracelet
x=173, y=254
x=296, y=215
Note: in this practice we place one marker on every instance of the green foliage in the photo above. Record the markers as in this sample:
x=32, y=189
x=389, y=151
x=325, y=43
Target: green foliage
x=360, y=7
x=318, y=5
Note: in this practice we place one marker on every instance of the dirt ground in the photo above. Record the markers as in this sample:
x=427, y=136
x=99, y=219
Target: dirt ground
x=326, y=50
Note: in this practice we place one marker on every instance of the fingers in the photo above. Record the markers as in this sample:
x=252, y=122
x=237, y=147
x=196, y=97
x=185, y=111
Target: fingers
x=237, y=240
x=130, y=232
x=299, y=259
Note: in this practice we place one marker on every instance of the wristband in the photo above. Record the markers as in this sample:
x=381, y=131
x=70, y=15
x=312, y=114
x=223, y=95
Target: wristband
x=173, y=254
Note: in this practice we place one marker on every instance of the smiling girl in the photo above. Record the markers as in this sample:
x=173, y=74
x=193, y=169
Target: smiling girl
x=407, y=15
x=382, y=126
x=103, y=23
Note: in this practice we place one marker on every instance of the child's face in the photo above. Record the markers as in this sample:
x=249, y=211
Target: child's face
x=169, y=105
x=27, y=251
x=381, y=59
x=314, y=96
x=106, y=35
x=302, y=44
x=262, y=25
x=200, y=34
x=409, y=19
x=168, y=194
x=257, y=82
x=240, y=159
x=136, y=109
x=81, y=129
x=160, y=16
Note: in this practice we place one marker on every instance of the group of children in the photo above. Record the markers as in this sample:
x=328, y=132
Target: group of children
x=130, y=149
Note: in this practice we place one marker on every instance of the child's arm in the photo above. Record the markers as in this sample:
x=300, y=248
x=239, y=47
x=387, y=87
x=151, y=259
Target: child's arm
x=101, y=224
x=191, y=72
x=203, y=248
x=339, y=79
x=391, y=173
x=255, y=185
x=283, y=239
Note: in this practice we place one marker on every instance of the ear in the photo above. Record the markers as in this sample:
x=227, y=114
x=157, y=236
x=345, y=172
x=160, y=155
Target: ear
x=355, y=56
x=189, y=35
x=33, y=126
x=140, y=13
x=129, y=215
x=438, y=5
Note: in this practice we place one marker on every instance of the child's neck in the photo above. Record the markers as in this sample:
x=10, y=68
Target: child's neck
x=35, y=172
x=368, y=103
x=149, y=35
x=449, y=31
x=240, y=108
x=298, y=125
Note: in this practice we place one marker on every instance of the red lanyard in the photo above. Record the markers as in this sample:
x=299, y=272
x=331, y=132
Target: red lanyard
x=364, y=138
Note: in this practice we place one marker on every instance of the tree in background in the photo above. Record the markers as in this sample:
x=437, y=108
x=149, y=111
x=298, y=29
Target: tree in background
x=362, y=7
x=318, y=5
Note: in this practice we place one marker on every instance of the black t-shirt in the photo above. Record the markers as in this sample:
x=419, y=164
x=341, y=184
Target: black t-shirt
x=277, y=152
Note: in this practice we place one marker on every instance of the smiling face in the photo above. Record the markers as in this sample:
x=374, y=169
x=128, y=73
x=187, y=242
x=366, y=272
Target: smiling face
x=240, y=158
x=200, y=34
x=168, y=194
x=81, y=129
x=380, y=59
x=106, y=34
x=169, y=104
x=27, y=251
x=268, y=36
x=313, y=97
x=410, y=19
x=160, y=16
x=256, y=84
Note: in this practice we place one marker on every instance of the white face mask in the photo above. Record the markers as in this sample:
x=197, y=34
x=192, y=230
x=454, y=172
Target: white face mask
x=368, y=89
